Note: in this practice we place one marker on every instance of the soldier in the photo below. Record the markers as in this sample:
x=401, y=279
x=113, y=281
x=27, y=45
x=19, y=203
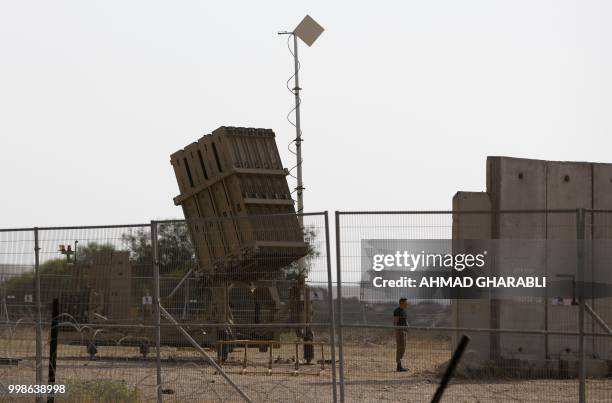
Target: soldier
x=399, y=319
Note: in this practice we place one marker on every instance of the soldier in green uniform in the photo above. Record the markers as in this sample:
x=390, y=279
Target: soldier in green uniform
x=399, y=319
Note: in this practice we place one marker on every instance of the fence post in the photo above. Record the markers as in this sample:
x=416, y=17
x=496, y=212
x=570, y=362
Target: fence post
x=332, y=321
x=53, y=348
x=156, y=304
x=39, y=336
x=339, y=302
x=580, y=235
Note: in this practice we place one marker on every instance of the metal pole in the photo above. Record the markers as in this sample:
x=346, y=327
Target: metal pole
x=300, y=186
x=53, y=348
x=185, y=301
x=178, y=286
x=201, y=351
x=332, y=321
x=437, y=397
x=339, y=302
x=581, y=352
x=599, y=320
x=39, y=336
x=298, y=133
x=155, y=254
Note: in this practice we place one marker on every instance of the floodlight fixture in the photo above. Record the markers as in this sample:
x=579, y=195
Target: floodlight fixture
x=308, y=30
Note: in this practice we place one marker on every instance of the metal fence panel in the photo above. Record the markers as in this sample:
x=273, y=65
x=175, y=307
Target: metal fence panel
x=18, y=313
x=598, y=316
x=272, y=369
x=94, y=273
x=522, y=348
x=105, y=279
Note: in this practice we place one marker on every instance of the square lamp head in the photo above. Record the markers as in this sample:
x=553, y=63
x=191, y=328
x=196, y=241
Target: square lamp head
x=308, y=30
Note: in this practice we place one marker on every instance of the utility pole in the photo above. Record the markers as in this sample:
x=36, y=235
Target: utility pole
x=298, y=134
x=308, y=30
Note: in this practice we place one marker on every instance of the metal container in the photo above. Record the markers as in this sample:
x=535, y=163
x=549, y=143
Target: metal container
x=235, y=197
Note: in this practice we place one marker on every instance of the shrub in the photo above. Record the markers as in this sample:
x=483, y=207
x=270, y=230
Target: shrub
x=100, y=391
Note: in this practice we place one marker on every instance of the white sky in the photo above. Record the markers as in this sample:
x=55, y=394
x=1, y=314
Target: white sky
x=402, y=101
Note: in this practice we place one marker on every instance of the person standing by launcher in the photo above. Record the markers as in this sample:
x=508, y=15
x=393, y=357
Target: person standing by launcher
x=399, y=319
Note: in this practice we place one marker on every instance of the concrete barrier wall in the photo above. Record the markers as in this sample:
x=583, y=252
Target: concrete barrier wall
x=474, y=313
x=519, y=184
x=568, y=186
x=524, y=184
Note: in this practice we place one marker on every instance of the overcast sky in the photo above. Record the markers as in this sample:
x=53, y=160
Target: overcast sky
x=402, y=101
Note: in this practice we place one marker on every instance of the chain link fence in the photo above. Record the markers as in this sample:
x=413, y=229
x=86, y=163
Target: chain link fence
x=235, y=323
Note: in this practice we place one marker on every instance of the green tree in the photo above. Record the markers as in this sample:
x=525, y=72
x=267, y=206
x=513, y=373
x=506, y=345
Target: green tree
x=292, y=271
x=85, y=254
x=175, y=251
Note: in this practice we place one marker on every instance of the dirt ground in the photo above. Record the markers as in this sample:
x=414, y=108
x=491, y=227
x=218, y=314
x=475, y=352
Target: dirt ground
x=369, y=374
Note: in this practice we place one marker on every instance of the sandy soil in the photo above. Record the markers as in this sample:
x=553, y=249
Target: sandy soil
x=369, y=374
